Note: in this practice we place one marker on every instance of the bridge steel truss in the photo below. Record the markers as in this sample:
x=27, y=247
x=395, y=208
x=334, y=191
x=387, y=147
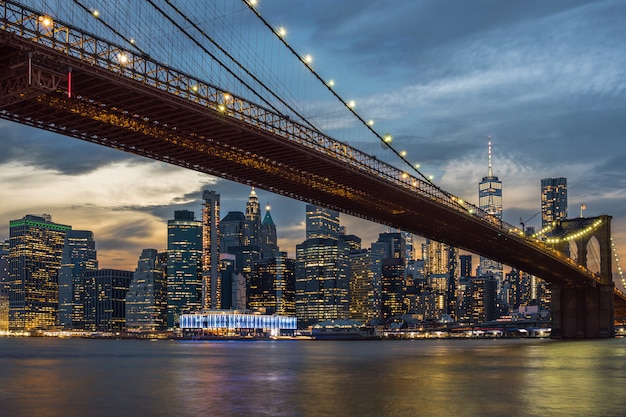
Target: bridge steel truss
x=56, y=77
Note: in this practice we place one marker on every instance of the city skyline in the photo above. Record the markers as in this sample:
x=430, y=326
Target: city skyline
x=544, y=80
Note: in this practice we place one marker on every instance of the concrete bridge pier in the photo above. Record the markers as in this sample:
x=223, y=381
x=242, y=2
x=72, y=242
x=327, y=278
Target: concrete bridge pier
x=582, y=312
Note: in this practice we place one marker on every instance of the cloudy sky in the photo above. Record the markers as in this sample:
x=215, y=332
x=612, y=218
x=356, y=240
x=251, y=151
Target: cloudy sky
x=545, y=79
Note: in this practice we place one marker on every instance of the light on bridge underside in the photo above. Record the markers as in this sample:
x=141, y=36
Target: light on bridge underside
x=227, y=97
x=405, y=175
x=194, y=88
x=281, y=31
x=122, y=58
x=46, y=21
x=221, y=108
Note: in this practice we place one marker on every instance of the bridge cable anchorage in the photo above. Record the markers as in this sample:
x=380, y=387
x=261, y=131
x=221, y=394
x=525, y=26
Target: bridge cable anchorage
x=234, y=60
x=278, y=33
x=111, y=28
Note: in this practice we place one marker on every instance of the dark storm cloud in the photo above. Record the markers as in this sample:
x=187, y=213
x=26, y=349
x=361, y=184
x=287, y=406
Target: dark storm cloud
x=47, y=150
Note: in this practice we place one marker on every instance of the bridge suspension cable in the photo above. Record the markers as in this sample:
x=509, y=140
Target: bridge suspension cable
x=232, y=58
x=96, y=14
x=385, y=139
x=619, y=267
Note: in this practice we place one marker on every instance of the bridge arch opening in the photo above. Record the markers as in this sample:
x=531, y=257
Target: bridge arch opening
x=593, y=260
x=573, y=250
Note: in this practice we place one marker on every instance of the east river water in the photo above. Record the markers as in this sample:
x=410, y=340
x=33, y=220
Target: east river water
x=525, y=377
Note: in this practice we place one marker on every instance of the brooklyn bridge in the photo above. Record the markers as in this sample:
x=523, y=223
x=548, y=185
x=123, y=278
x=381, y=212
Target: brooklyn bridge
x=89, y=80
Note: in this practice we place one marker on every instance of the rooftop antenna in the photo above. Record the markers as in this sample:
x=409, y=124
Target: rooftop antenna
x=490, y=172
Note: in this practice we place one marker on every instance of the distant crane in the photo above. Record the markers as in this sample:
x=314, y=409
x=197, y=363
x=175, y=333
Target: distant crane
x=523, y=223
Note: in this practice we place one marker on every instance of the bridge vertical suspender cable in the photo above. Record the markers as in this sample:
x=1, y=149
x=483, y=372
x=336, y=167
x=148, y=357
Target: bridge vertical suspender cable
x=111, y=28
x=336, y=95
x=204, y=49
x=232, y=58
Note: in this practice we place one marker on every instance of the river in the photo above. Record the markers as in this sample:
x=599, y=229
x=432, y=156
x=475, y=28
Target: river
x=48, y=377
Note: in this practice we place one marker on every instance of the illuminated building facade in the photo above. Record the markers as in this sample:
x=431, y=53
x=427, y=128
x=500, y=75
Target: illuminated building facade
x=4, y=266
x=321, y=222
x=322, y=269
x=184, y=265
x=553, y=200
x=365, y=285
x=271, y=287
x=105, y=300
x=237, y=323
x=253, y=220
x=146, y=300
x=35, y=253
x=4, y=286
x=483, y=303
x=211, y=282
x=393, y=288
x=79, y=257
x=518, y=286
x=322, y=280
x=391, y=245
x=441, y=267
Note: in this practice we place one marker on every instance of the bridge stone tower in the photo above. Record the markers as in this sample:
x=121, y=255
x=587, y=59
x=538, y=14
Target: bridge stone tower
x=584, y=311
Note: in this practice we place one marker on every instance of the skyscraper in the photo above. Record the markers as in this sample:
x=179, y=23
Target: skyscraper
x=253, y=218
x=321, y=222
x=35, y=253
x=233, y=229
x=211, y=282
x=146, y=300
x=393, y=288
x=322, y=280
x=490, y=191
x=465, y=265
x=365, y=285
x=553, y=200
x=272, y=285
x=184, y=265
x=490, y=201
x=322, y=269
x=105, y=299
x=79, y=257
x=268, y=238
